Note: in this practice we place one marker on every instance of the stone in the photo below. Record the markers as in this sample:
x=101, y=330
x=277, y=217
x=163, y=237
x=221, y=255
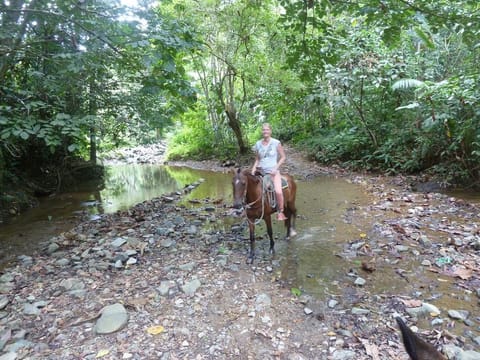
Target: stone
x=401, y=248
x=332, y=303
x=164, y=288
x=62, y=262
x=191, y=287
x=360, y=311
x=262, y=302
x=343, y=355
x=131, y=261
x=3, y=302
x=360, y=281
x=118, y=242
x=187, y=267
x=7, y=277
x=30, y=309
x=166, y=243
x=424, y=309
x=113, y=318
x=52, y=248
x=307, y=311
x=72, y=284
x=9, y=356
x=458, y=314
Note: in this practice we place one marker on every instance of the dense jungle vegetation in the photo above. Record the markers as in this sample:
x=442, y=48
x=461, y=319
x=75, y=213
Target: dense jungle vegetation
x=390, y=86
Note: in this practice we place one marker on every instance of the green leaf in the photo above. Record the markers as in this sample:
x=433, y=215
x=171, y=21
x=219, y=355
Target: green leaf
x=296, y=292
x=426, y=38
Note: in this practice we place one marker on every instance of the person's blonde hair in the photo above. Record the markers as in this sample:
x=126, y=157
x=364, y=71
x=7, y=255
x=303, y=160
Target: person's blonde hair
x=267, y=125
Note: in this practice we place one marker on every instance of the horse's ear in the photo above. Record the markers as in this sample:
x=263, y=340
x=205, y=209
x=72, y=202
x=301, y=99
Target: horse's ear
x=239, y=170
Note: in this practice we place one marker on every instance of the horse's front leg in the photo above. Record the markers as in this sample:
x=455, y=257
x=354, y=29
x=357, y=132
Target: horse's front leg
x=251, y=254
x=268, y=222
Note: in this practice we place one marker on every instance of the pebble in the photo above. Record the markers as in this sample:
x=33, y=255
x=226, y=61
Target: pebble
x=332, y=303
x=360, y=281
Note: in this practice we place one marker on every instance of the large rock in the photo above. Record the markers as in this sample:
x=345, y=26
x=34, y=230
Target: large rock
x=114, y=317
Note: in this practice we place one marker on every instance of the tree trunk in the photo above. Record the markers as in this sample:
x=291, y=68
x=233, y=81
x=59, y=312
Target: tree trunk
x=236, y=128
x=2, y=168
x=93, y=146
x=92, y=109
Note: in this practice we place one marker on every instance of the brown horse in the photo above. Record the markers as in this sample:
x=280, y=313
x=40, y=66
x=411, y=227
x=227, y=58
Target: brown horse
x=249, y=195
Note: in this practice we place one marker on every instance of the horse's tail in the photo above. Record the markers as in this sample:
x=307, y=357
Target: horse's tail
x=417, y=348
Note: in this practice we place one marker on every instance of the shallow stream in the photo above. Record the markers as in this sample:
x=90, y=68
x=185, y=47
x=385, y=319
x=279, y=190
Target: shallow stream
x=326, y=212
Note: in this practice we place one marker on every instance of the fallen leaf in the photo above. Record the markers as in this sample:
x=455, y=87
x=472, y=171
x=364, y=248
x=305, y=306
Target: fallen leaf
x=463, y=274
x=102, y=353
x=155, y=330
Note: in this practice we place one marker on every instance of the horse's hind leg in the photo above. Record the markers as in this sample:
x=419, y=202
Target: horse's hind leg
x=291, y=213
x=268, y=222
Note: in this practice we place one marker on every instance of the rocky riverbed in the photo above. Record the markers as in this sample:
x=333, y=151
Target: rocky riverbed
x=154, y=282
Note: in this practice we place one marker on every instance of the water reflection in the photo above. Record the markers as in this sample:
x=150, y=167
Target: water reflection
x=127, y=185
x=123, y=187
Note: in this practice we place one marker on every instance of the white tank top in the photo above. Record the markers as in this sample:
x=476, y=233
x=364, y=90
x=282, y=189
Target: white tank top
x=267, y=154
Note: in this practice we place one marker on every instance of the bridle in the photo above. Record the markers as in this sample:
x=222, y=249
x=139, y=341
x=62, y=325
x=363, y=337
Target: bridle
x=250, y=204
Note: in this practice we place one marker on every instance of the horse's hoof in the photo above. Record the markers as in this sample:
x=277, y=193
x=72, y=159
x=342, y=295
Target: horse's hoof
x=292, y=233
x=249, y=260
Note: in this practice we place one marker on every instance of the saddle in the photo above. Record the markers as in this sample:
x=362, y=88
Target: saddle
x=268, y=182
x=268, y=188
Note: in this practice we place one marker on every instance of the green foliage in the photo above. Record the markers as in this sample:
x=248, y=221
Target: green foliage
x=385, y=86
x=71, y=72
x=196, y=139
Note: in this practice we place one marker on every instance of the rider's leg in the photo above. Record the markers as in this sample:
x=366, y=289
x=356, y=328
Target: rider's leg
x=277, y=183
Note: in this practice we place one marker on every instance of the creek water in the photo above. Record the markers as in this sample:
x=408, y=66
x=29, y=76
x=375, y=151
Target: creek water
x=321, y=207
x=326, y=210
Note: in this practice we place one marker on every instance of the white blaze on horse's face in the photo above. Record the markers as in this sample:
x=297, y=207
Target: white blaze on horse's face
x=239, y=189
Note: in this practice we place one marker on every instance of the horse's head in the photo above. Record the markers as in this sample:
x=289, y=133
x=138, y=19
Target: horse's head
x=239, y=183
